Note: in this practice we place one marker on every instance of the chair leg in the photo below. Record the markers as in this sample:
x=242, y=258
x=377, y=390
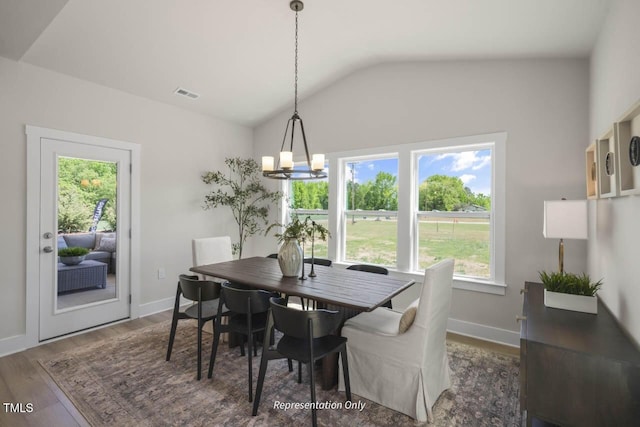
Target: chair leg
x=200, y=324
x=261, y=375
x=299, y=372
x=172, y=334
x=214, y=349
x=314, y=416
x=290, y=363
x=345, y=370
x=250, y=343
x=255, y=346
x=174, y=321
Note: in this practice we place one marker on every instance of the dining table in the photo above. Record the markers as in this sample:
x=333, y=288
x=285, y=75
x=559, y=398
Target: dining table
x=332, y=286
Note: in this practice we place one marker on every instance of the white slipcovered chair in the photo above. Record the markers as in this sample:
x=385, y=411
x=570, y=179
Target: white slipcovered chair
x=211, y=250
x=404, y=371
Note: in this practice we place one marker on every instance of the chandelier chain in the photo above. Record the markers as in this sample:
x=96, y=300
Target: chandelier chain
x=295, y=104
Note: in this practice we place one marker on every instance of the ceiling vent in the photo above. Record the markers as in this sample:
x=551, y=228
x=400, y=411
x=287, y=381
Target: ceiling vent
x=188, y=94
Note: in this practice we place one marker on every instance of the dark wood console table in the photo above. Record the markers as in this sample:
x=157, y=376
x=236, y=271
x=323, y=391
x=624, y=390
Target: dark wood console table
x=576, y=369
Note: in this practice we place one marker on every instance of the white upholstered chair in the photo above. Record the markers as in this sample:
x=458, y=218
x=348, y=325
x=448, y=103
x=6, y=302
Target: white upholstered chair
x=404, y=371
x=210, y=250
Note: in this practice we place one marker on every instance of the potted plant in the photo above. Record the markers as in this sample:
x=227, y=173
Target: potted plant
x=242, y=191
x=297, y=231
x=570, y=291
x=73, y=255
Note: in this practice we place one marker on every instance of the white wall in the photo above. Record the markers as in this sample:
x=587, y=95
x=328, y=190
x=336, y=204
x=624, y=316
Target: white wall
x=614, y=241
x=176, y=147
x=541, y=104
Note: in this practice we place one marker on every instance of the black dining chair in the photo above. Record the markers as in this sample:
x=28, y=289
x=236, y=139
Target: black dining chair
x=315, y=261
x=318, y=261
x=205, y=294
x=372, y=269
x=308, y=336
x=247, y=317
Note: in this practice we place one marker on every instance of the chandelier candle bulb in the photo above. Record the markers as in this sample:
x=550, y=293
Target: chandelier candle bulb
x=317, y=163
x=286, y=160
x=267, y=163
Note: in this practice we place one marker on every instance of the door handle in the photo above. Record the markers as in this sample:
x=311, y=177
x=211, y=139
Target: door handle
x=47, y=249
x=519, y=318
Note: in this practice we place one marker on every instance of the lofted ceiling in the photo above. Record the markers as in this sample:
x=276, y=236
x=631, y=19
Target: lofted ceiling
x=238, y=55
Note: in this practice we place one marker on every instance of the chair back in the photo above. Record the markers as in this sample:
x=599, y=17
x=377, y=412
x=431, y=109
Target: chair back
x=210, y=250
x=435, y=302
x=239, y=299
x=369, y=268
x=195, y=289
x=318, y=261
x=295, y=323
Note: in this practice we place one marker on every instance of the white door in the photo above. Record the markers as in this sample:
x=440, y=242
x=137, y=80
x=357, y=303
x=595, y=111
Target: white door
x=97, y=290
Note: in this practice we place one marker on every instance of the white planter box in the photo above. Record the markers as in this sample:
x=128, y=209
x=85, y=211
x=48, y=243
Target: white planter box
x=571, y=302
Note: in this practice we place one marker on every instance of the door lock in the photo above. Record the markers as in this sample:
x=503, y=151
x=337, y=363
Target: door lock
x=47, y=235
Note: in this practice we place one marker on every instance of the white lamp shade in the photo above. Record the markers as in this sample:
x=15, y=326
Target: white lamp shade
x=565, y=219
x=286, y=159
x=267, y=163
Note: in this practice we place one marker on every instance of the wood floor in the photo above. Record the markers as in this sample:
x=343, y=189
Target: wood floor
x=22, y=379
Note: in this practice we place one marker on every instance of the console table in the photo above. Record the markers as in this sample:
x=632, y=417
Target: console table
x=87, y=274
x=576, y=369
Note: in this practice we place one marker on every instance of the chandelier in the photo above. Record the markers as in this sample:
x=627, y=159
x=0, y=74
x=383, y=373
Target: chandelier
x=284, y=169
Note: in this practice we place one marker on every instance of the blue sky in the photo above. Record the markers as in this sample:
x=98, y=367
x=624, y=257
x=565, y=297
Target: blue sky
x=472, y=167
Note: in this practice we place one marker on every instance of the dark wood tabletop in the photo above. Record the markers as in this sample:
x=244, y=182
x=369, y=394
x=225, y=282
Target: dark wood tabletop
x=347, y=288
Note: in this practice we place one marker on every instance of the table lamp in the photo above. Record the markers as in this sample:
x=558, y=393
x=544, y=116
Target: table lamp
x=565, y=219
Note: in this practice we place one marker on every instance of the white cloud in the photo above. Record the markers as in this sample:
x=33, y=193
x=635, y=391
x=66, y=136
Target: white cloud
x=466, y=160
x=466, y=178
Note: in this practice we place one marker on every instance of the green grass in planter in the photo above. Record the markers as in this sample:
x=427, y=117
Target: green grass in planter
x=569, y=283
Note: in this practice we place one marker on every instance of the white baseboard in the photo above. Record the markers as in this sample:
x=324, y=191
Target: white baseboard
x=12, y=345
x=154, y=307
x=484, y=332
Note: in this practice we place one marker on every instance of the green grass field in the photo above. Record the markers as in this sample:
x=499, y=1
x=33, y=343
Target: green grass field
x=467, y=240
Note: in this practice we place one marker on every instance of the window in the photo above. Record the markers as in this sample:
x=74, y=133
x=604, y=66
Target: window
x=408, y=206
x=371, y=211
x=311, y=199
x=453, y=210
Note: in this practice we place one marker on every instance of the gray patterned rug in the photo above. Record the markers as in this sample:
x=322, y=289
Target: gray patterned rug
x=125, y=381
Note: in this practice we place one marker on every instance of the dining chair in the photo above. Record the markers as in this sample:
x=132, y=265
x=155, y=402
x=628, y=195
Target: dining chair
x=399, y=360
x=205, y=294
x=319, y=261
x=315, y=261
x=372, y=269
x=308, y=336
x=247, y=317
x=211, y=250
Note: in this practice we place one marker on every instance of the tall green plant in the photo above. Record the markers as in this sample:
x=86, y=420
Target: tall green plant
x=241, y=190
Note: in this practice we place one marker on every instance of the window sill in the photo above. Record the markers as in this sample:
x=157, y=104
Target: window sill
x=464, y=283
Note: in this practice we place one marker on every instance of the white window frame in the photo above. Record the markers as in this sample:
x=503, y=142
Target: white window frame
x=407, y=155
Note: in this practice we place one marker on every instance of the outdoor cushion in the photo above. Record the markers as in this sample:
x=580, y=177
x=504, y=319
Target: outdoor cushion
x=107, y=244
x=82, y=240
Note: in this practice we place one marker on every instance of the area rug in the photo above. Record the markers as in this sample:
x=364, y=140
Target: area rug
x=125, y=381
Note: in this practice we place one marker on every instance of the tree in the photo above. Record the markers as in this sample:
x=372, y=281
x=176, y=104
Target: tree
x=442, y=193
x=81, y=184
x=242, y=191
x=383, y=193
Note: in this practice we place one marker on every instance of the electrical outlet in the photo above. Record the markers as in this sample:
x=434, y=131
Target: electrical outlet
x=161, y=273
